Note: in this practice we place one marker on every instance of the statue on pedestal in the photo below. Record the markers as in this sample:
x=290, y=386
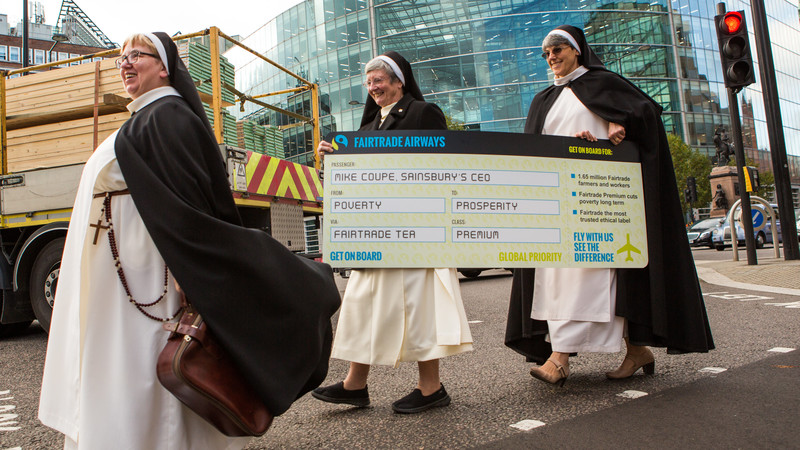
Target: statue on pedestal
x=724, y=146
x=719, y=198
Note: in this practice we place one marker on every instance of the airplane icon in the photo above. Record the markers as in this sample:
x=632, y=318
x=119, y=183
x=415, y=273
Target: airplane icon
x=629, y=248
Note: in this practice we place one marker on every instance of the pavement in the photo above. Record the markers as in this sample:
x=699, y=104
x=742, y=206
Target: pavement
x=774, y=275
x=756, y=405
x=753, y=406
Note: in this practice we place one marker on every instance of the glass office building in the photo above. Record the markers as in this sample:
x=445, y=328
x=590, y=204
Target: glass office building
x=480, y=61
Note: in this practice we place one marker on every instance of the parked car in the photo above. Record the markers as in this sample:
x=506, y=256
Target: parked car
x=721, y=235
x=699, y=234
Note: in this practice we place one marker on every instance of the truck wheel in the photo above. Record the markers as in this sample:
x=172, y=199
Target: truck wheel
x=720, y=247
x=44, y=278
x=470, y=273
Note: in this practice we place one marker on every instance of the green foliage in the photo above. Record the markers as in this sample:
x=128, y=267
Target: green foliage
x=766, y=183
x=453, y=124
x=690, y=163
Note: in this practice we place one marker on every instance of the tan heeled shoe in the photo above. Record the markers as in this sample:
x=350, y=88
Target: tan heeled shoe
x=646, y=361
x=562, y=372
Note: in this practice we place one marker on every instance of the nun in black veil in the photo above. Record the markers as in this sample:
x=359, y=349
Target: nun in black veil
x=554, y=313
x=160, y=180
x=393, y=315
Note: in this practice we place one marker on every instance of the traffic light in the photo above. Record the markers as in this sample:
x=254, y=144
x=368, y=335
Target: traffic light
x=751, y=179
x=734, y=50
x=691, y=189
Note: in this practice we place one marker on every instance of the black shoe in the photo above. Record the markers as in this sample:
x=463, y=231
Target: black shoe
x=336, y=393
x=416, y=402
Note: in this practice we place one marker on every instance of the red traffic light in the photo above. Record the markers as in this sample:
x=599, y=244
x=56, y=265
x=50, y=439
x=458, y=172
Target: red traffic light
x=731, y=22
x=734, y=49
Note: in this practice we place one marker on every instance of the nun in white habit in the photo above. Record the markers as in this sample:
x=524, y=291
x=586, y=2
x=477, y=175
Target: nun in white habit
x=393, y=315
x=578, y=304
x=99, y=386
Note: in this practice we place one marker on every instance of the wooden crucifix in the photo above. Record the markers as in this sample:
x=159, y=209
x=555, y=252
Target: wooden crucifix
x=99, y=225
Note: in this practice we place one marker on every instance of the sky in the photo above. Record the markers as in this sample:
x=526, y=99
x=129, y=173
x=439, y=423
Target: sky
x=119, y=19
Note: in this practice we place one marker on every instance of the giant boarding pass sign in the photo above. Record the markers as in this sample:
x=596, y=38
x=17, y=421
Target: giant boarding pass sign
x=481, y=199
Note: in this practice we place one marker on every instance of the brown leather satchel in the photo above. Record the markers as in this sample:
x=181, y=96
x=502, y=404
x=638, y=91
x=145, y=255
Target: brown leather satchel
x=199, y=373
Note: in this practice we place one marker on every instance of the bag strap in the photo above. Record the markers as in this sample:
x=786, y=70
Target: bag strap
x=192, y=326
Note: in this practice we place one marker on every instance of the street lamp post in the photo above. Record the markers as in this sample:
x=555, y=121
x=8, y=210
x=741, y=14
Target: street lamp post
x=25, y=33
x=58, y=37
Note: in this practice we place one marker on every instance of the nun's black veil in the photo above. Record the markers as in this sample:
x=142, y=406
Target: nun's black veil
x=588, y=58
x=410, y=87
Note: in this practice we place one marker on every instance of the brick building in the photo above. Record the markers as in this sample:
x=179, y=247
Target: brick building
x=41, y=46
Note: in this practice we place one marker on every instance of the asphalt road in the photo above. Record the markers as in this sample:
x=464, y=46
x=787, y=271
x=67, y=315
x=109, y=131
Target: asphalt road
x=492, y=391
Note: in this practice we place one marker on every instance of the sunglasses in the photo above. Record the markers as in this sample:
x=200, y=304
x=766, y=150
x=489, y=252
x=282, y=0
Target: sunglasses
x=555, y=51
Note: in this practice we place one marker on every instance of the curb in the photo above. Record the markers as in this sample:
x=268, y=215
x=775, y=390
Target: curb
x=711, y=276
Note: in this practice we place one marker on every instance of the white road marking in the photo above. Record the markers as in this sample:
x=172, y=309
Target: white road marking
x=632, y=394
x=527, y=424
x=7, y=420
x=781, y=350
x=714, y=370
x=740, y=297
x=475, y=321
x=793, y=305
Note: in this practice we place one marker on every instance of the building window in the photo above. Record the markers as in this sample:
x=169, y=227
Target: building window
x=3, y=53
x=38, y=56
x=74, y=55
x=13, y=54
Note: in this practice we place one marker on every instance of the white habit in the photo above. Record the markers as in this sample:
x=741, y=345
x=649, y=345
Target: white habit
x=394, y=315
x=577, y=303
x=100, y=387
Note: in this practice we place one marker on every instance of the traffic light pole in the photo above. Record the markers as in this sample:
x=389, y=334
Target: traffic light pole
x=780, y=163
x=747, y=215
x=736, y=131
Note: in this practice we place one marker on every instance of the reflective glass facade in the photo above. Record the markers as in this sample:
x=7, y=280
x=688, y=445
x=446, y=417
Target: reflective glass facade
x=480, y=61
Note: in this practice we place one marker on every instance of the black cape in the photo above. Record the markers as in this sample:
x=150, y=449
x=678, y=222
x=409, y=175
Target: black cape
x=662, y=302
x=409, y=113
x=269, y=308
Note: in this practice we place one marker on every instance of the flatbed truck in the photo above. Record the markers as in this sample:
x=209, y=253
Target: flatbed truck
x=52, y=120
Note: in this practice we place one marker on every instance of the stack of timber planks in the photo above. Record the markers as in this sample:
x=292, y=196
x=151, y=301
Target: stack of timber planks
x=250, y=136
x=55, y=118
x=50, y=115
x=262, y=139
x=273, y=140
x=197, y=59
x=228, y=125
